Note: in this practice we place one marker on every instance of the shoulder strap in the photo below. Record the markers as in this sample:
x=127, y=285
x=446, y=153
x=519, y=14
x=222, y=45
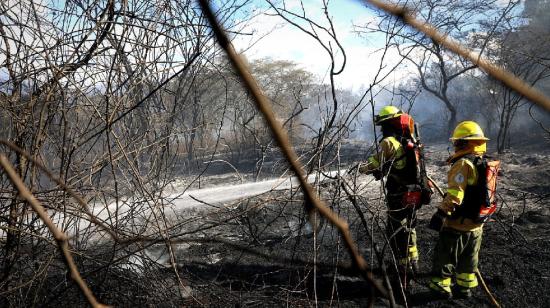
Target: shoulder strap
x=403, y=142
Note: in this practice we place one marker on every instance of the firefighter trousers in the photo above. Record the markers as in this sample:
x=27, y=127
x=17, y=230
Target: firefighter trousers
x=457, y=253
x=401, y=232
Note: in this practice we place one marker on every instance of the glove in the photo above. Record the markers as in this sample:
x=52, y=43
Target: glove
x=436, y=223
x=363, y=168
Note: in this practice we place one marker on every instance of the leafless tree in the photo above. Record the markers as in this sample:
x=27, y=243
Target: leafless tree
x=83, y=91
x=522, y=58
x=471, y=23
x=112, y=112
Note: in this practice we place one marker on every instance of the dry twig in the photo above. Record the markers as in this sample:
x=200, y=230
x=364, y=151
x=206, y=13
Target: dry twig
x=509, y=79
x=312, y=202
x=60, y=237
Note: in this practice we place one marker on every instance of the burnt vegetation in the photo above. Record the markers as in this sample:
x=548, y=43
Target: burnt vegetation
x=154, y=180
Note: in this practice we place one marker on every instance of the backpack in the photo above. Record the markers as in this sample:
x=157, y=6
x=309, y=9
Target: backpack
x=402, y=126
x=480, y=200
x=418, y=190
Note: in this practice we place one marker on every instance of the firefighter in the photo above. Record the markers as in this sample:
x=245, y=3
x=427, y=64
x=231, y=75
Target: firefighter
x=460, y=227
x=391, y=161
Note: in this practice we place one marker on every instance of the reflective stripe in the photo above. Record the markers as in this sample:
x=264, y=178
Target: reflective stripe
x=442, y=285
x=373, y=161
x=413, y=253
x=399, y=152
x=442, y=281
x=457, y=193
x=466, y=280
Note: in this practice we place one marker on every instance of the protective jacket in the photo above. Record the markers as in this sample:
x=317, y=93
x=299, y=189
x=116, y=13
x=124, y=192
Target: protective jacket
x=391, y=160
x=462, y=179
x=468, y=202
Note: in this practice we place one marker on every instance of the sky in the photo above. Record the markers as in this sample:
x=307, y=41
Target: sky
x=286, y=42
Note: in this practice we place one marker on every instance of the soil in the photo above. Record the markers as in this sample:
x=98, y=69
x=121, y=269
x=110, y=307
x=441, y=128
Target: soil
x=266, y=257
x=263, y=252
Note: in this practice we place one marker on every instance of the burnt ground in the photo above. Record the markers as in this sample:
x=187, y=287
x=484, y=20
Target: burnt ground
x=278, y=270
x=265, y=256
x=262, y=251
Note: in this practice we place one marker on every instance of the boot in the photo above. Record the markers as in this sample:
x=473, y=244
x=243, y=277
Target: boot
x=461, y=292
x=441, y=288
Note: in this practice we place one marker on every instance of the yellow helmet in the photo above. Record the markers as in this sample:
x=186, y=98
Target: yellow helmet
x=386, y=113
x=468, y=130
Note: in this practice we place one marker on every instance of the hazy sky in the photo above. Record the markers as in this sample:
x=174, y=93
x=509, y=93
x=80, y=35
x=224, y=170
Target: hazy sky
x=289, y=43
